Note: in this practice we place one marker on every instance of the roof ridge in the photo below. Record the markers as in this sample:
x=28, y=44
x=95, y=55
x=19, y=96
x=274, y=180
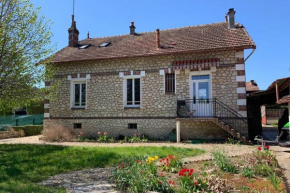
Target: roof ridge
x=153, y=31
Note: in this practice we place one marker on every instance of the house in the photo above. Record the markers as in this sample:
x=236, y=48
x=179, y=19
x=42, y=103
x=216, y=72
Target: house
x=191, y=79
x=251, y=86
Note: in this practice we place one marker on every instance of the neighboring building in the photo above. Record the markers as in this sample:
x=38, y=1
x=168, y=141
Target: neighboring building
x=190, y=78
x=252, y=86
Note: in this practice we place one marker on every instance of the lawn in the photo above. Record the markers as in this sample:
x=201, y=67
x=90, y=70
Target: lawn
x=23, y=166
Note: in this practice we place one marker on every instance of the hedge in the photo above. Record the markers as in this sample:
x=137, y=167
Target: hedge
x=30, y=130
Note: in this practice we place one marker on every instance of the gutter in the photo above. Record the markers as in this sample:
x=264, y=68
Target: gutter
x=254, y=48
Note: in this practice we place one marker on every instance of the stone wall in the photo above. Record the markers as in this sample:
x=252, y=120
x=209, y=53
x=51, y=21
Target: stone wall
x=105, y=107
x=201, y=130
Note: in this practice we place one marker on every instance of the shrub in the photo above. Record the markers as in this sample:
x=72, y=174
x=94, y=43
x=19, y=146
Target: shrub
x=30, y=130
x=57, y=133
x=223, y=162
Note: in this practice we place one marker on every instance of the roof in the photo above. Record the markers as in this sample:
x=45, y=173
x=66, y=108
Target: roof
x=210, y=37
x=284, y=99
x=251, y=87
x=282, y=84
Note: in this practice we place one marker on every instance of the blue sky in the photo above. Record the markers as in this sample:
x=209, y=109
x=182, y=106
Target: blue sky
x=266, y=21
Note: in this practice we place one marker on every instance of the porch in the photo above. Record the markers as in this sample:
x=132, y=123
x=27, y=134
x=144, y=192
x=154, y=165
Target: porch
x=215, y=111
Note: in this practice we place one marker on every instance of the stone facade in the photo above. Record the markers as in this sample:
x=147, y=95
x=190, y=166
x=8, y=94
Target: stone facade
x=156, y=117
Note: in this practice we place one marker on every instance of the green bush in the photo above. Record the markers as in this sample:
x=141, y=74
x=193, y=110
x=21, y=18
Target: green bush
x=30, y=130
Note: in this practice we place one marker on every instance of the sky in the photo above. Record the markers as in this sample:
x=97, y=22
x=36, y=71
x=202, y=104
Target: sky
x=267, y=22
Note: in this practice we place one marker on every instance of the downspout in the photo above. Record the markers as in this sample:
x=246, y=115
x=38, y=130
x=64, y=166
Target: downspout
x=254, y=48
x=277, y=92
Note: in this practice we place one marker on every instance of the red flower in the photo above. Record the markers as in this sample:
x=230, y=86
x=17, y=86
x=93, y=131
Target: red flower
x=159, y=182
x=170, y=157
x=160, y=161
x=162, y=174
x=185, y=172
x=259, y=148
x=266, y=147
x=138, y=161
x=195, y=183
x=171, y=182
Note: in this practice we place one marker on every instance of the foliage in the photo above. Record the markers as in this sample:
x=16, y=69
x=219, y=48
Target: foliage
x=102, y=137
x=23, y=166
x=30, y=130
x=275, y=180
x=223, y=162
x=231, y=140
x=24, y=40
x=57, y=132
x=140, y=176
x=191, y=183
x=135, y=138
x=170, y=164
x=247, y=172
x=35, y=106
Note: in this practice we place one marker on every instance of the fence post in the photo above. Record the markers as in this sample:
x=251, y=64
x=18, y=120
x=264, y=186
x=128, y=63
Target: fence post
x=16, y=122
x=33, y=121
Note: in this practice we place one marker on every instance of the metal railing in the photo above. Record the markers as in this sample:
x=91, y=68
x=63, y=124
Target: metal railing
x=191, y=108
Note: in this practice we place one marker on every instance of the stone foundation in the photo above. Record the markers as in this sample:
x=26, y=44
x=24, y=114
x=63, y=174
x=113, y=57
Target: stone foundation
x=153, y=128
x=201, y=130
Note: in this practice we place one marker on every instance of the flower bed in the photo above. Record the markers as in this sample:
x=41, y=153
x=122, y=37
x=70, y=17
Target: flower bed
x=257, y=172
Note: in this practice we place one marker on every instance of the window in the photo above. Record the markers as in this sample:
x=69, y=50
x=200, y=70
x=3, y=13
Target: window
x=77, y=125
x=105, y=44
x=85, y=46
x=133, y=92
x=132, y=126
x=169, y=83
x=79, y=98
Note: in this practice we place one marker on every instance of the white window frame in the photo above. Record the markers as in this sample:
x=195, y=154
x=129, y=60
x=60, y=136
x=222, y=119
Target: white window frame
x=125, y=90
x=73, y=94
x=162, y=73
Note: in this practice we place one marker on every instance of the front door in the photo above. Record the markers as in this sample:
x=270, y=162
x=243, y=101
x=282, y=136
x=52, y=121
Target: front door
x=201, y=96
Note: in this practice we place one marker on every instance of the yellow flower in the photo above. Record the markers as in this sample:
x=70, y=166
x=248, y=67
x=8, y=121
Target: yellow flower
x=156, y=157
x=151, y=159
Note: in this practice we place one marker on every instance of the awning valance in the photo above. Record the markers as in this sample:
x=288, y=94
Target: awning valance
x=202, y=64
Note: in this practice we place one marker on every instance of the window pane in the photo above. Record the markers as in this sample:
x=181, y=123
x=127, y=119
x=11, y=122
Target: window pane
x=193, y=89
x=203, y=90
x=137, y=91
x=129, y=92
x=170, y=83
x=202, y=77
x=77, y=94
x=83, y=94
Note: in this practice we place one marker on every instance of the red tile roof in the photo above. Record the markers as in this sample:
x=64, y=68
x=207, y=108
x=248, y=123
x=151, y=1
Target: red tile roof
x=210, y=37
x=250, y=87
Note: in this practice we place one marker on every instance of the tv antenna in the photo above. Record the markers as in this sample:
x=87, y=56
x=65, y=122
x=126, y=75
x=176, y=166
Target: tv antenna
x=73, y=7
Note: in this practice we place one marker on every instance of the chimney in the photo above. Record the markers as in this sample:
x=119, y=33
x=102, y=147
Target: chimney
x=73, y=34
x=88, y=35
x=132, y=28
x=157, y=38
x=231, y=15
x=252, y=82
x=226, y=18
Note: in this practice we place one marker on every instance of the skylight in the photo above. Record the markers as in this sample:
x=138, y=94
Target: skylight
x=85, y=46
x=105, y=44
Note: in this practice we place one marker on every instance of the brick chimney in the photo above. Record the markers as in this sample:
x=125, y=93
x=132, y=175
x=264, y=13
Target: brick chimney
x=73, y=34
x=157, y=38
x=132, y=28
x=231, y=19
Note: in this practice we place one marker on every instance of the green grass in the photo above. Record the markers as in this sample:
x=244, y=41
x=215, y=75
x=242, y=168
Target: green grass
x=23, y=166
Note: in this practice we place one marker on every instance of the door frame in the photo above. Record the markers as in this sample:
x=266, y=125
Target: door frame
x=197, y=73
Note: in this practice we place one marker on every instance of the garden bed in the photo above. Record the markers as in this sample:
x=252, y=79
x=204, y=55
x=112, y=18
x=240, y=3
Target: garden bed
x=257, y=172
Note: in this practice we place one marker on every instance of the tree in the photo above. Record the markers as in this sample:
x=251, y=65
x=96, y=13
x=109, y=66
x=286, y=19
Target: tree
x=24, y=40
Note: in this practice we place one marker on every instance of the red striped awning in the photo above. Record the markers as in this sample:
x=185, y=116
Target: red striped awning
x=203, y=64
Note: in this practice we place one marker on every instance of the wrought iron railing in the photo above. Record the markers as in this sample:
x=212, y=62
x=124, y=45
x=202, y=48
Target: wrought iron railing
x=215, y=108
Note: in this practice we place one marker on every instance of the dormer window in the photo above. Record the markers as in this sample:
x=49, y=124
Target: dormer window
x=105, y=44
x=85, y=46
